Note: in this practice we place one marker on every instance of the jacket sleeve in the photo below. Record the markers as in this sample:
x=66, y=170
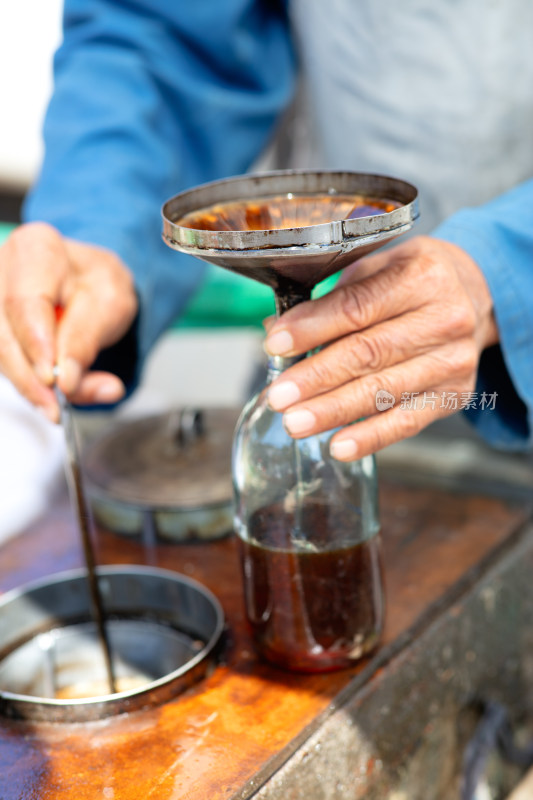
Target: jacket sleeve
x=151, y=98
x=499, y=237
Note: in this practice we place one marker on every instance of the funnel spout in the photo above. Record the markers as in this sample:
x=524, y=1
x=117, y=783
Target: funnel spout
x=290, y=298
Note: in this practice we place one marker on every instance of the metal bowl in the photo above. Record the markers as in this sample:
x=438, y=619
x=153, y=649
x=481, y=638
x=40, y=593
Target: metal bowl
x=163, y=629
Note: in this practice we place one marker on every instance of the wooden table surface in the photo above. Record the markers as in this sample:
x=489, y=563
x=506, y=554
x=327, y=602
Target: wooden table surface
x=222, y=737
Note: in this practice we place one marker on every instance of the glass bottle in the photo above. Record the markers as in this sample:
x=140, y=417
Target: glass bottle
x=308, y=533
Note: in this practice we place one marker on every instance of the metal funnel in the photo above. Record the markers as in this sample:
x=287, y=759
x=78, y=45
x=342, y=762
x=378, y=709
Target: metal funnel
x=292, y=260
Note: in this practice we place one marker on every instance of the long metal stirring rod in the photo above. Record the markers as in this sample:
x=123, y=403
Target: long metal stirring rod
x=78, y=500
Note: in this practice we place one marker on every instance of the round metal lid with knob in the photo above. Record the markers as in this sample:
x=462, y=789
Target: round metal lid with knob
x=171, y=471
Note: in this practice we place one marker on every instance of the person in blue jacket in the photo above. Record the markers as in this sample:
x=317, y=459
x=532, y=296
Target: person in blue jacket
x=154, y=97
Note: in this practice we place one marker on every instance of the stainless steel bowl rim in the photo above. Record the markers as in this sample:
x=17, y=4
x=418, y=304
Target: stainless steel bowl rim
x=104, y=571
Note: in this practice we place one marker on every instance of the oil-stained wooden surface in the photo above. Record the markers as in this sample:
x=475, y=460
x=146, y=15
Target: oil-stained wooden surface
x=213, y=741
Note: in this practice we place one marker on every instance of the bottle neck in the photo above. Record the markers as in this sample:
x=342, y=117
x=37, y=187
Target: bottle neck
x=278, y=364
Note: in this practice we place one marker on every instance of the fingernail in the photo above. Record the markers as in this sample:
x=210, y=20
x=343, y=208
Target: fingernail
x=279, y=344
x=282, y=395
x=45, y=372
x=345, y=450
x=268, y=322
x=70, y=374
x=108, y=394
x=299, y=421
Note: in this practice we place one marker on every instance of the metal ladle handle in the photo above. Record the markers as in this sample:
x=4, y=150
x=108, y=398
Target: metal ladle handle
x=81, y=508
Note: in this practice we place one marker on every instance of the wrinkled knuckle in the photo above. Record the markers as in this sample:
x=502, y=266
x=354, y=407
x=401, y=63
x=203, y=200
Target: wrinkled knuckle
x=369, y=352
x=330, y=367
x=319, y=373
x=354, y=304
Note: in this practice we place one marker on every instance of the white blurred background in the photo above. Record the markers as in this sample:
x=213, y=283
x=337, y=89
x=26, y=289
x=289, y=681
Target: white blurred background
x=29, y=34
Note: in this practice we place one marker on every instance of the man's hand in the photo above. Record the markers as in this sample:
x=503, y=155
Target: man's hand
x=39, y=272
x=411, y=319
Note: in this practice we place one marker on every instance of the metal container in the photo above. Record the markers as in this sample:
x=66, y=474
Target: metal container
x=166, y=476
x=163, y=629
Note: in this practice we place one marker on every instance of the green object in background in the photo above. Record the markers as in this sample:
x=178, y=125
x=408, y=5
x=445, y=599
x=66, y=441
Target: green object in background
x=229, y=300
x=5, y=230
x=225, y=300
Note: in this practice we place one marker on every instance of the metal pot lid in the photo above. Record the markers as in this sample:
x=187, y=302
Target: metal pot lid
x=179, y=460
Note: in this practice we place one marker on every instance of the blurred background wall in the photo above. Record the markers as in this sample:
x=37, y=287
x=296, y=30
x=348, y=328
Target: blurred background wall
x=30, y=31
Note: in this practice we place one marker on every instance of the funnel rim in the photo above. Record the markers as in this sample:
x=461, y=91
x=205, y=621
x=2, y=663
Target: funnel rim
x=335, y=233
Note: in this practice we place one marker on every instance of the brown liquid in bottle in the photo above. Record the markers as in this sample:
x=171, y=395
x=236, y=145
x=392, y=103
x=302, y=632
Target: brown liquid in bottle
x=310, y=611
x=284, y=211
